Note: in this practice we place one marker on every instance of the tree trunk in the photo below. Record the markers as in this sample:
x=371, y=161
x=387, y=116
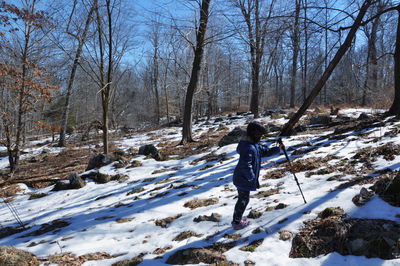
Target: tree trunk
x=395, y=108
x=81, y=41
x=305, y=52
x=255, y=74
x=21, y=97
x=198, y=53
x=287, y=129
x=103, y=85
x=155, y=79
x=295, y=40
x=166, y=91
x=371, y=78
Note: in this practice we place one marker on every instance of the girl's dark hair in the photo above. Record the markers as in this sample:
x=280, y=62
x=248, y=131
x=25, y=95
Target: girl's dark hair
x=255, y=130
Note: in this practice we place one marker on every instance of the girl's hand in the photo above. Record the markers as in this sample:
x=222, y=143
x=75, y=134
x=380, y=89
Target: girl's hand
x=281, y=146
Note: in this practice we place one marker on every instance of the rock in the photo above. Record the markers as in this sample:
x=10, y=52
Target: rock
x=320, y=119
x=272, y=128
x=233, y=137
x=218, y=119
x=76, y=182
x=258, y=230
x=89, y=175
x=214, y=217
x=280, y=206
x=254, y=214
x=394, y=186
x=119, y=153
x=380, y=186
x=12, y=256
x=343, y=118
x=285, y=235
x=60, y=185
x=120, y=178
x=332, y=211
x=363, y=116
x=121, y=162
x=150, y=150
x=356, y=244
x=334, y=111
x=300, y=128
x=363, y=197
x=98, y=161
x=102, y=178
x=135, y=163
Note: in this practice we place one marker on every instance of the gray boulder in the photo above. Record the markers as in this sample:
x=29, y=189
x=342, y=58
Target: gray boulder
x=320, y=119
x=76, y=182
x=102, y=178
x=60, y=185
x=363, y=116
x=272, y=127
x=99, y=160
x=150, y=150
x=233, y=137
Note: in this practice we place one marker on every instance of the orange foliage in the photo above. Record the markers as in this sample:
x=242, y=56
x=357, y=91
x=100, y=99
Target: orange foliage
x=50, y=128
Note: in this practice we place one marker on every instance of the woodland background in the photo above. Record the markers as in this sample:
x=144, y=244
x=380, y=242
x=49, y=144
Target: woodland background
x=113, y=64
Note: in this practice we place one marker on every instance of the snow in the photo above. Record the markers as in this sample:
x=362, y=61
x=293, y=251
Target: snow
x=92, y=217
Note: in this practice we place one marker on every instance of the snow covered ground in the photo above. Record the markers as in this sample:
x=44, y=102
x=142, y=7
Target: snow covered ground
x=107, y=218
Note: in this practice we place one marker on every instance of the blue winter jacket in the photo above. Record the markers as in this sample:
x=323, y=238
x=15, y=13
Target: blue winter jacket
x=245, y=176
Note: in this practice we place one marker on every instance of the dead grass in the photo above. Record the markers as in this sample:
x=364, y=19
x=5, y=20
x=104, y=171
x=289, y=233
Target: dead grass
x=70, y=259
x=203, y=142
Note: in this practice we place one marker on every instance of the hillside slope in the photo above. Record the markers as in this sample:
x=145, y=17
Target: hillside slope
x=164, y=207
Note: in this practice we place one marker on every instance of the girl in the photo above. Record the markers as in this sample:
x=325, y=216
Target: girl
x=245, y=176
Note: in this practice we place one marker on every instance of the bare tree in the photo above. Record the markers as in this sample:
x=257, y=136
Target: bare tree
x=198, y=54
x=287, y=129
x=80, y=38
x=257, y=26
x=395, y=108
x=295, y=41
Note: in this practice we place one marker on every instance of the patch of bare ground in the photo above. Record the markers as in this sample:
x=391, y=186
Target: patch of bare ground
x=69, y=259
x=48, y=227
x=196, y=203
x=166, y=221
x=212, y=255
x=388, y=151
x=252, y=246
x=47, y=168
x=303, y=165
x=132, y=262
x=202, y=143
x=185, y=235
x=332, y=231
x=311, y=163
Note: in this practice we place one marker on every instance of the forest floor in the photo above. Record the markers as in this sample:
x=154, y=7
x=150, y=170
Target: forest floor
x=164, y=210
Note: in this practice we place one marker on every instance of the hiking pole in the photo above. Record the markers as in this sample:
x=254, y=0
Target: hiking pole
x=291, y=168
